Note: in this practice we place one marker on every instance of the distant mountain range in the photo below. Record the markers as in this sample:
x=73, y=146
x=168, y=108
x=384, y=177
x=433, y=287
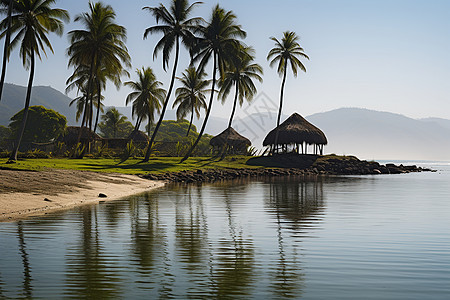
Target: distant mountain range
x=365, y=133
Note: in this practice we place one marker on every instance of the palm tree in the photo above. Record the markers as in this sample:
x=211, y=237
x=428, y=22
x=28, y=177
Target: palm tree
x=191, y=95
x=285, y=53
x=113, y=119
x=7, y=41
x=33, y=21
x=241, y=73
x=80, y=102
x=147, y=96
x=216, y=40
x=176, y=26
x=101, y=46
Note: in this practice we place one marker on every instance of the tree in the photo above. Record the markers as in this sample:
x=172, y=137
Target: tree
x=114, y=124
x=176, y=26
x=241, y=73
x=216, y=40
x=191, y=95
x=7, y=42
x=33, y=21
x=5, y=133
x=99, y=48
x=286, y=52
x=147, y=96
x=43, y=125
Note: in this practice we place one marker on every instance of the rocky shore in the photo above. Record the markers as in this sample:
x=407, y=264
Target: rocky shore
x=322, y=166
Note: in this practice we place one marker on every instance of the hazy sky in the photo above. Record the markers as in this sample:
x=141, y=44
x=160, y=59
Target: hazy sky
x=388, y=55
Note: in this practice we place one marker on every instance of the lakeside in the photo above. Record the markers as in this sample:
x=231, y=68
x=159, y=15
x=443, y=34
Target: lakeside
x=33, y=187
x=29, y=193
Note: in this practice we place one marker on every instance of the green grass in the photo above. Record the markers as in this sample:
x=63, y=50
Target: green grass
x=131, y=166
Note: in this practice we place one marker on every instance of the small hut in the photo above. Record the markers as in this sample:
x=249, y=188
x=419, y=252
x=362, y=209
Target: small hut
x=70, y=136
x=139, y=138
x=236, y=143
x=293, y=134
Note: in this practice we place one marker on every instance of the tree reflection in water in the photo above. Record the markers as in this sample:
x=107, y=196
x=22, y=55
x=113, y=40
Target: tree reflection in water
x=91, y=271
x=296, y=205
x=149, y=245
x=234, y=271
x=27, y=287
x=191, y=239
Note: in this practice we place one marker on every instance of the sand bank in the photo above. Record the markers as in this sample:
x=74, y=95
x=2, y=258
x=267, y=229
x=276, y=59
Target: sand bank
x=25, y=193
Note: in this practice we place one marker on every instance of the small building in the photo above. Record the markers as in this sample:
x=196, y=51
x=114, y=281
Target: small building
x=70, y=136
x=294, y=135
x=235, y=143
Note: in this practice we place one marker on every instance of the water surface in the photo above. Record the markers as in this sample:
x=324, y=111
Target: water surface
x=361, y=237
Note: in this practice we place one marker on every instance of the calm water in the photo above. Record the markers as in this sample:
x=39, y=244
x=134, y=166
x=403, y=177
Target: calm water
x=372, y=237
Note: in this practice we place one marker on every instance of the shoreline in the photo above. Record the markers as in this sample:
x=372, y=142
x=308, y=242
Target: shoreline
x=329, y=167
x=26, y=194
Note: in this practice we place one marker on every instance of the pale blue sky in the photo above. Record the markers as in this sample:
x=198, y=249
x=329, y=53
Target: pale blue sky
x=388, y=55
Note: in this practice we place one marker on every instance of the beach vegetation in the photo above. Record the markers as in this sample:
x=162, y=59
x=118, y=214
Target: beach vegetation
x=240, y=74
x=115, y=125
x=216, y=40
x=191, y=97
x=146, y=97
x=97, y=53
x=287, y=52
x=31, y=23
x=43, y=126
x=6, y=23
x=176, y=26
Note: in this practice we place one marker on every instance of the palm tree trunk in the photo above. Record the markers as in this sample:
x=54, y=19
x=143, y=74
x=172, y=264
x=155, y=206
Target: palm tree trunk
x=88, y=96
x=281, y=106
x=6, y=48
x=192, y=119
x=234, y=106
x=166, y=102
x=208, y=111
x=13, y=156
x=99, y=102
x=138, y=124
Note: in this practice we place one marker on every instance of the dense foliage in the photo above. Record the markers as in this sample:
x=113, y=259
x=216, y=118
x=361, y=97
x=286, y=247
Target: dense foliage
x=43, y=125
x=115, y=125
x=171, y=139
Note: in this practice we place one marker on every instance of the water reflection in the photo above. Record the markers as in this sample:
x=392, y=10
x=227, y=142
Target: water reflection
x=295, y=205
x=27, y=292
x=233, y=273
x=232, y=239
x=90, y=269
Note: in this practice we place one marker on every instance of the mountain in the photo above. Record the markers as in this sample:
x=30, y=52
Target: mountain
x=381, y=135
x=13, y=100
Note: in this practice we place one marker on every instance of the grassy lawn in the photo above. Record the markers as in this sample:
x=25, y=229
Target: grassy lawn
x=131, y=166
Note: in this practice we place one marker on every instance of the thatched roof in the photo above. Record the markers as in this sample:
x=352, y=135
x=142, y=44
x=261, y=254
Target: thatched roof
x=70, y=135
x=234, y=139
x=138, y=137
x=296, y=130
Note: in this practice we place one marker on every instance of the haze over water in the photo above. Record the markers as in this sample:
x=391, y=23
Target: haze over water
x=361, y=237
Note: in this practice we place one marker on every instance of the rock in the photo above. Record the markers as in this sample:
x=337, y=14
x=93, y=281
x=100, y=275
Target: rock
x=48, y=200
x=101, y=195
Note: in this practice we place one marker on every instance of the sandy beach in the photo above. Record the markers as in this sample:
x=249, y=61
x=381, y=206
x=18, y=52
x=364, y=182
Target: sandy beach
x=25, y=193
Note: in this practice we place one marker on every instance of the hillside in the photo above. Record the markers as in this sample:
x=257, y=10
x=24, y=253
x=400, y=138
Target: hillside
x=13, y=100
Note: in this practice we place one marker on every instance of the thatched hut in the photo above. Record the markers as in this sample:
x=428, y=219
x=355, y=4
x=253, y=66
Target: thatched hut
x=70, y=136
x=138, y=136
x=230, y=138
x=294, y=133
